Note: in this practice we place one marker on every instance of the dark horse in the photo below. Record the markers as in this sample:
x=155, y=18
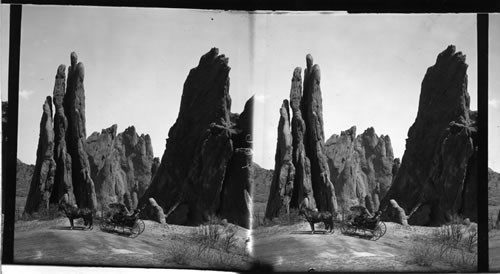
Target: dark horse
x=317, y=217
x=73, y=212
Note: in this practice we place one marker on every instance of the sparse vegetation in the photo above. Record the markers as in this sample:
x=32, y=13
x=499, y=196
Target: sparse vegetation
x=44, y=214
x=453, y=244
x=214, y=244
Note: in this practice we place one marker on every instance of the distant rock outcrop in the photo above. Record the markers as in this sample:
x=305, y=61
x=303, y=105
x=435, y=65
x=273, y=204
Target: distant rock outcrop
x=360, y=167
x=301, y=174
x=437, y=178
x=261, y=179
x=121, y=165
x=190, y=183
x=42, y=181
x=24, y=173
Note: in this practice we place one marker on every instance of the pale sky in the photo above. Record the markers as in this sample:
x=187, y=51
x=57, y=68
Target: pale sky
x=372, y=67
x=137, y=59
x=494, y=93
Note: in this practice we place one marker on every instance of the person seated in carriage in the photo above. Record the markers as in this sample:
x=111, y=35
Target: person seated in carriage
x=121, y=214
x=363, y=215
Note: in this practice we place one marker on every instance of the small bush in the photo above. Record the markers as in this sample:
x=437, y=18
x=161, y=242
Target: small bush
x=180, y=254
x=423, y=254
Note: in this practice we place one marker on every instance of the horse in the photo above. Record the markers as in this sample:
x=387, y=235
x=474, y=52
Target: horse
x=317, y=217
x=73, y=212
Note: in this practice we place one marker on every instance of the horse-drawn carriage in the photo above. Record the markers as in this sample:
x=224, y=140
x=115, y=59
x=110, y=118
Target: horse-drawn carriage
x=361, y=220
x=118, y=220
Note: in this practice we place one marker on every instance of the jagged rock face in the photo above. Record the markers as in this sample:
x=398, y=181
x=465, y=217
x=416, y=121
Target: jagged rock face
x=282, y=184
x=436, y=178
x=120, y=165
x=43, y=176
x=24, y=173
x=236, y=192
x=302, y=187
x=63, y=182
x=261, y=180
x=190, y=179
x=360, y=167
x=136, y=159
x=312, y=110
x=74, y=107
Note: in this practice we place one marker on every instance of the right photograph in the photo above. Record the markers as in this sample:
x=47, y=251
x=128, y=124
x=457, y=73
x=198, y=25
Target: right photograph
x=365, y=143
x=493, y=142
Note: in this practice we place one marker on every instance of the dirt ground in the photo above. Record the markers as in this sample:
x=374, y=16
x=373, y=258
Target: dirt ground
x=294, y=248
x=494, y=250
x=166, y=246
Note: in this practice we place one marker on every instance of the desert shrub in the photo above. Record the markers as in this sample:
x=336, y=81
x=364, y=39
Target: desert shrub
x=229, y=239
x=423, y=254
x=291, y=218
x=50, y=213
x=180, y=254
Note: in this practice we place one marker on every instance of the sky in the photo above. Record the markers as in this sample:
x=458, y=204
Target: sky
x=372, y=67
x=137, y=59
x=494, y=93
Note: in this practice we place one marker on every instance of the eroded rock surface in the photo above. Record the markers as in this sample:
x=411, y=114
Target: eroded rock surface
x=301, y=175
x=437, y=179
x=361, y=167
x=121, y=165
x=190, y=180
x=281, y=190
x=74, y=107
x=42, y=181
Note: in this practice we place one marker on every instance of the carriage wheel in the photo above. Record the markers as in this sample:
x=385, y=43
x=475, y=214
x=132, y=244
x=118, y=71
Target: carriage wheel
x=379, y=231
x=382, y=227
x=137, y=229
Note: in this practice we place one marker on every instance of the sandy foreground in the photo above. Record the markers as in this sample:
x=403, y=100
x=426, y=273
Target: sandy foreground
x=166, y=246
x=294, y=248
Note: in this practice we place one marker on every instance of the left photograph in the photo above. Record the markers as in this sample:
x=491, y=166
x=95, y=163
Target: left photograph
x=134, y=138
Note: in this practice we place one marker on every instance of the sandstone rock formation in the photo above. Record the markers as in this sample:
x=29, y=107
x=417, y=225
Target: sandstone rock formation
x=24, y=174
x=69, y=165
x=301, y=174
x=120, y=164
x=312, y=110
x=74, y=107
x=302, y=191
x=261, y=179
x=42, y=181
x=63, y=178
x=157, y=211
x=237, y=181
x=361, y=167
x=282, y=184
x=437, y=177
x=190, y=180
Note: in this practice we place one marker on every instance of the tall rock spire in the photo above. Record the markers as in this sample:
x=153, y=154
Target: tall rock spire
x=74, y=107
x=312, y=111
x=63, y=178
